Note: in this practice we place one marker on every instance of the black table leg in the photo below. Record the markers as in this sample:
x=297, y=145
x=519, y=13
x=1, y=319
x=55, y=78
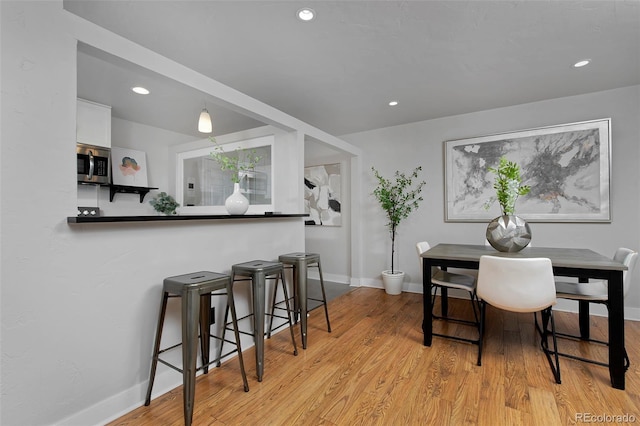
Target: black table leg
x=583, y=314
x=427, y=319
x=616, y=330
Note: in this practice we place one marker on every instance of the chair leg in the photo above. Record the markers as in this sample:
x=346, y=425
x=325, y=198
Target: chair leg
x=474, y=301
x=584, y=336
x=547, y=317
x=483, y=309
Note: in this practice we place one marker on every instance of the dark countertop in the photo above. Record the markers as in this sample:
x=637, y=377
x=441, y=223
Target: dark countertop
x=113, y=219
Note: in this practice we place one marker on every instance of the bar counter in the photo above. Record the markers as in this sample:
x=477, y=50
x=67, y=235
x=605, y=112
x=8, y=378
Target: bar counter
x=72, y=220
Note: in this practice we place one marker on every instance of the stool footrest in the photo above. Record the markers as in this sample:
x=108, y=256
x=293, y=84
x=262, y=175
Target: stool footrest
x=216, y=360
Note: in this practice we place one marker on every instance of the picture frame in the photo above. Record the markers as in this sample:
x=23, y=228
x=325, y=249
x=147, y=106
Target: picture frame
x=322, y=195
x=567, y=167
x=129, y=167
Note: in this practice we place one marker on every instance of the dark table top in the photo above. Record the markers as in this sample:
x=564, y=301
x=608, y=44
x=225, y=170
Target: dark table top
x=560, y=257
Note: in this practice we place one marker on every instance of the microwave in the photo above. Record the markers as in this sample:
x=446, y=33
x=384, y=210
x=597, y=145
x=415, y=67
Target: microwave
x=94, y=164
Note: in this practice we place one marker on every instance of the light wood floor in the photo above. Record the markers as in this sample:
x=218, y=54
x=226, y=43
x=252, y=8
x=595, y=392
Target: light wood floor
x=373, y=369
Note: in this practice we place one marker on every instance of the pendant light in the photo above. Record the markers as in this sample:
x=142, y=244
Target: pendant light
x=204, y=122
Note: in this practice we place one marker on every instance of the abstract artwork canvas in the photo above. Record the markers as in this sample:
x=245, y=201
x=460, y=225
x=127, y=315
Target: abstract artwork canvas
x=322, y=198
x=566, y=166
x=128, y=167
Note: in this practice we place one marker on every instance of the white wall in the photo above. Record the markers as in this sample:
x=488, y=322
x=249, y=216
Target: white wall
x=79, y=303
x=407, y=146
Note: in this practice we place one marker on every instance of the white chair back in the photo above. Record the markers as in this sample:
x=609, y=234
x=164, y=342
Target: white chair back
x=516, y=284
x=421, y=247
x=628, y=258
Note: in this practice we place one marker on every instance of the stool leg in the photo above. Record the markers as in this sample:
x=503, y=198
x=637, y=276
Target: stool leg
x=258, y=320
x=301, y=278
x=324, y=297
x=296, y=301
x=205, y=329
x=234, y=319
x=273, y=310
x=156, y=346
x=190, y=317
x=286, y=299
x=224, y=329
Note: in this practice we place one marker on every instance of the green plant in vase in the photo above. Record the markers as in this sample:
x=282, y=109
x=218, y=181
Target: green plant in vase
x=508, y=186
x=398, y=197
x=508, y=232
x=238, y=163
x=164, y=203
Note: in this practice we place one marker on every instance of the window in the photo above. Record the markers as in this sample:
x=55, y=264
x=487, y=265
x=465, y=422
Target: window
x=203, y=187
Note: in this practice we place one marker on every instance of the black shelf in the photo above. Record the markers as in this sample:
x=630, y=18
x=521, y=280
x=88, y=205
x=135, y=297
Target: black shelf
x=176, y=218
x=114, y=189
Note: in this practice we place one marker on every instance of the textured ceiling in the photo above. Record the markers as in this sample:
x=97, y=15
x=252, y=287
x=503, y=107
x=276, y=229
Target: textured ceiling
x=338, y=72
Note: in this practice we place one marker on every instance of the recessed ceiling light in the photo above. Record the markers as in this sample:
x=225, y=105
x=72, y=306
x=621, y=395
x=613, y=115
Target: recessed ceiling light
x=393, y=103
x=140, y=90
x=306, y=14
x=582, y=63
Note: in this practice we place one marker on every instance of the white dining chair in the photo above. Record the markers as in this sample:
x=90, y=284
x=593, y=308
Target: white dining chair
x=524, y=285
x=443, y=279
x=596, y=291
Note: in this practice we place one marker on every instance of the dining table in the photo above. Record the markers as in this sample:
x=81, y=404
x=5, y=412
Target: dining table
x=567, y=262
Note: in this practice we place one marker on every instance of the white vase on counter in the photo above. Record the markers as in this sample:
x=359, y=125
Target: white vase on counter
x=236, y=203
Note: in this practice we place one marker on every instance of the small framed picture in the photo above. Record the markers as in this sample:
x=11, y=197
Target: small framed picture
x=322, y=195
x=129, y=167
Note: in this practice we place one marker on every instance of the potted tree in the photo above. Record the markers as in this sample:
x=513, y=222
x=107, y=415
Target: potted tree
x=508, y=232
x=398, y=197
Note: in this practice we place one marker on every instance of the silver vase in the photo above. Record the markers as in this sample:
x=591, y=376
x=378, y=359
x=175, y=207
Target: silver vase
x=508, y=233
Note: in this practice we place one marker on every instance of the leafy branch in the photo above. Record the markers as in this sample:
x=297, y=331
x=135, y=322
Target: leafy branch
x=239, y=162
x=508, y=186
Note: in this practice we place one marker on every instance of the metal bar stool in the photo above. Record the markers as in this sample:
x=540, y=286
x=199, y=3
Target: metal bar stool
x=257, y=272
x=195, y=290
x=300, y=262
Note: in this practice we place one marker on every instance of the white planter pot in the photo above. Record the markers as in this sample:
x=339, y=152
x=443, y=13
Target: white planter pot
x=236, y=203
x=392, y=282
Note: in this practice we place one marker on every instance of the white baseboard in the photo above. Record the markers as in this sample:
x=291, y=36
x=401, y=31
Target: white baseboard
x=118, y=405
x=334, y=278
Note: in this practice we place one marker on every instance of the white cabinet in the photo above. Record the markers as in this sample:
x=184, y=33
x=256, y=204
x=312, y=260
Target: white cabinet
x=93, y=123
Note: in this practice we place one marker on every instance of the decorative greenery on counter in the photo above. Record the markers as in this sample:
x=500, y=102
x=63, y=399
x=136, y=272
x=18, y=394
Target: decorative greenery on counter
x=164, y=203
x=397, y=199
x=239, y=163
x=508, y=186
